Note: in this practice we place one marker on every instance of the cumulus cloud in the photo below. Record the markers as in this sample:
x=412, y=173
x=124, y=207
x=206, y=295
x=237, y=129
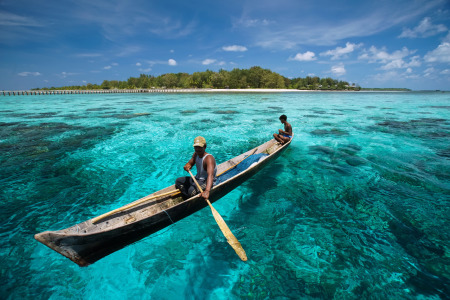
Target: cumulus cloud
x=234, y=48
x=395, y=60
x=208, y=61
x=138, y=64
x=307, y=56
x=26, y=74
x=440, y=54
x=172, y=62
x=382, y=56
x=339, y=51
x=107, y=67
x=338, y=70
x=401, y=64
x=423, y=30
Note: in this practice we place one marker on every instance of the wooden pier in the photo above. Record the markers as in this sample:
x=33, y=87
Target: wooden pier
x=80, y=92
x=152, y=90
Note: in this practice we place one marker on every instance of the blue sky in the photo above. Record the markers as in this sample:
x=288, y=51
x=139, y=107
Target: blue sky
x=394, y=43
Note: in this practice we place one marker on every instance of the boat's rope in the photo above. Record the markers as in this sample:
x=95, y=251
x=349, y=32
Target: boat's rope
x=168, y=216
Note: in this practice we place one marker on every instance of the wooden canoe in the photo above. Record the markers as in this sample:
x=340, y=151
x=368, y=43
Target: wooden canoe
x=89, y=241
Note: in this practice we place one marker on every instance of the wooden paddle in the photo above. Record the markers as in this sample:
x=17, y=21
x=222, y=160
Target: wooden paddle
x=231, y=239
x=146, y=198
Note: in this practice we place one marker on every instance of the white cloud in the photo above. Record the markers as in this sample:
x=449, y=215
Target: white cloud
x=10, y=19
x=429, y=72
x=245, y=22
x=447, y=38
x=440, y=54
x=339, y=51
x=170, y=62
x=307, y=56
x=65, y=74
x=138, y=64
x=414, y=62
x=445, y=72
x=382, y=56
x=145, y=70
x=25, y=74
x=235, y=48
x=208, y=61
x=399, y=63
x=119, y=20
x=424, y=29
x=394, y=60
x=128, y=50
x=173, y=28
x=292, y=27
x=395, y=76
x=338, y=70
x=386, y=77
x=111, y=65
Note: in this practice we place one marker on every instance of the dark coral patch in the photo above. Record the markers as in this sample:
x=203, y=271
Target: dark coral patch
x=326, y=132
x=321, y=149
x=188, y=112
x=355, y=161
x=226, y=112
x=351, y=149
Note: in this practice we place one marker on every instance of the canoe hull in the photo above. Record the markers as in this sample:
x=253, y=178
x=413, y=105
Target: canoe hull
x=85, y=249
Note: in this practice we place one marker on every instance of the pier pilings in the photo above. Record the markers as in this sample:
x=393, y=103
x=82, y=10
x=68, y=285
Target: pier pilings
x=83, y=92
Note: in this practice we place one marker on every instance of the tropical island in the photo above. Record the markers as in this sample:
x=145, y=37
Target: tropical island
x=253, y=78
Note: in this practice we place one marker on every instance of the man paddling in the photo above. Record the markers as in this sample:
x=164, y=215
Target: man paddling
x=206, y=171
x=284, y=136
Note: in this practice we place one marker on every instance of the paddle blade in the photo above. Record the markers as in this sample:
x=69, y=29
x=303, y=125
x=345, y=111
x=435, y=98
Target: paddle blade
x=231, y=239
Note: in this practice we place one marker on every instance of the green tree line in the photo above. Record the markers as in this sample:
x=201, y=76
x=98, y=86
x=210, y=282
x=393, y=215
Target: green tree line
x=255, y=77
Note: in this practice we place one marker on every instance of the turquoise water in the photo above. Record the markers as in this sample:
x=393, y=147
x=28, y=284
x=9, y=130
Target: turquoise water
x=357, y=207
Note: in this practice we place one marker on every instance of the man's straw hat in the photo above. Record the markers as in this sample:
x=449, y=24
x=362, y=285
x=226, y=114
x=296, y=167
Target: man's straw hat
x=199, y=141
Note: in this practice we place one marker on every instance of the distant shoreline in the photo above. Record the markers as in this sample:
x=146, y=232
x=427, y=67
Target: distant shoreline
x=193, y=91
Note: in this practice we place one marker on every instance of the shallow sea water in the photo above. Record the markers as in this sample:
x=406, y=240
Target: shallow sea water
x=357, y=207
